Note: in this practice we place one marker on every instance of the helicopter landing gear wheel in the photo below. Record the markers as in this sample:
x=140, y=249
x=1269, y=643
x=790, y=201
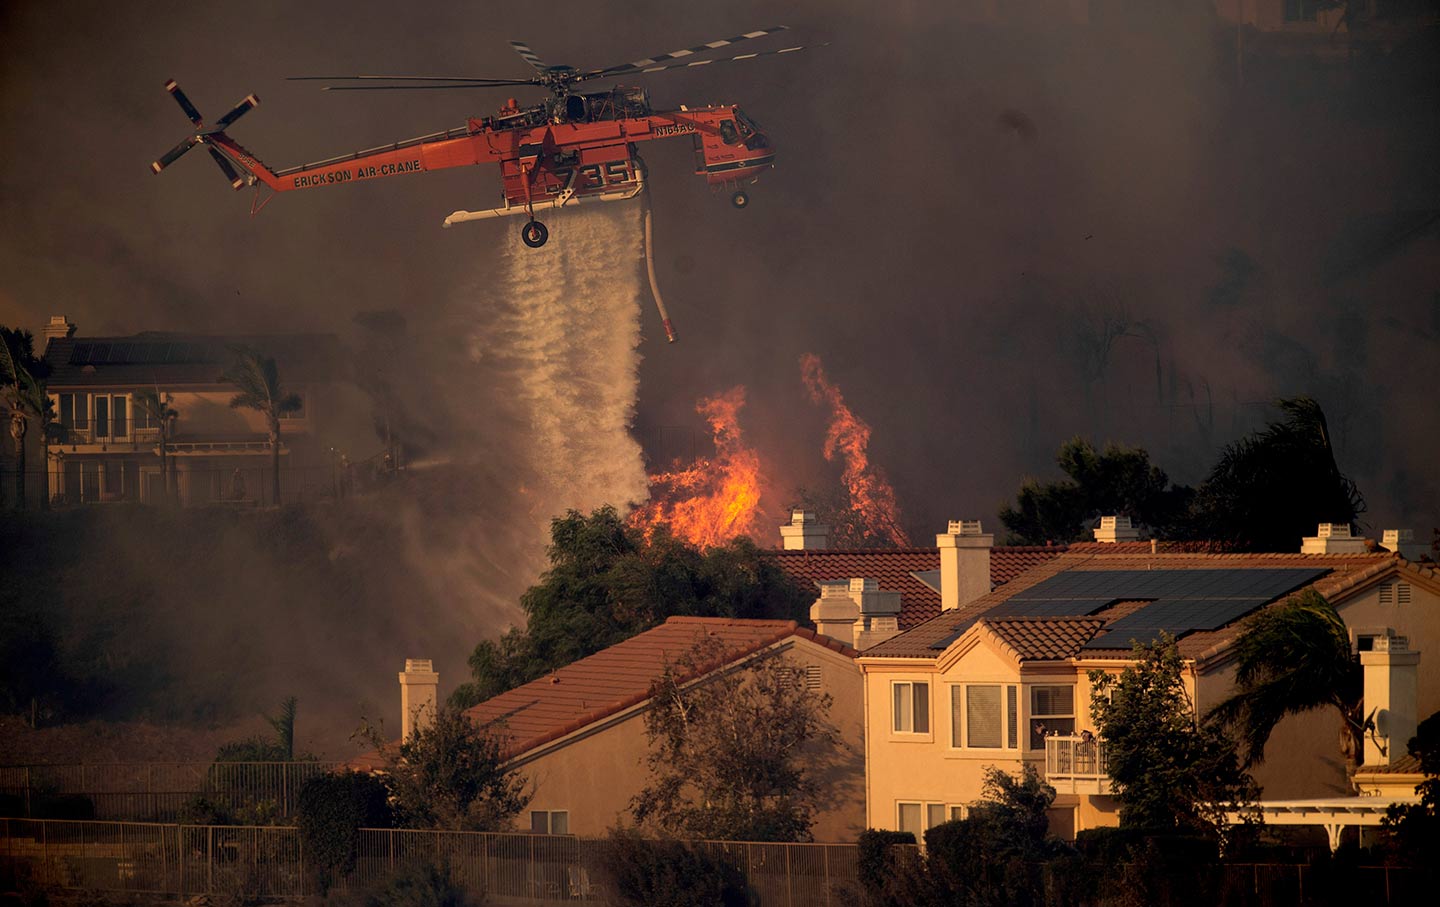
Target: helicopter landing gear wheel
x=740, y=199
x=534, y=234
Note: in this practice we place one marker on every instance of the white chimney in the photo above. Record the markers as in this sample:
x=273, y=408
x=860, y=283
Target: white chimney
x=58, y=328
x=964, y=563
x=1333, y=538
x=1402, y=542
x=1391, y=700
x=835, y=613
x=804, y=533
x=418, y=687
x=879, y=613
x=1114, y=529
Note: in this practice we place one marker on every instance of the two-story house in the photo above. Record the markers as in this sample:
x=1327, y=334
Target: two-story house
x=1003, y=681
x=103, y=447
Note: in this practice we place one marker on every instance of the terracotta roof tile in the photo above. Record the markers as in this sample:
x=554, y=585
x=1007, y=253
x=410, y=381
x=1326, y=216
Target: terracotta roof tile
x=1347, y=571
x=893, y=569
x=1405, y=765
x=1035, y=639
x=619, y=677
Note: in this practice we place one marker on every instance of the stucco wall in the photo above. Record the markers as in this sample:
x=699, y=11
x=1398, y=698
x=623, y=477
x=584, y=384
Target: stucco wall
x=594, y=774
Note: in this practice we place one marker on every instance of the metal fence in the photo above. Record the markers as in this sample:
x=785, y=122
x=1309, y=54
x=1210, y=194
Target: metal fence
x=152, y=791
x=268, y=862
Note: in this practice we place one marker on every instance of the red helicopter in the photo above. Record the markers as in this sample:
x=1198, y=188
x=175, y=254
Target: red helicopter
x=575, y=147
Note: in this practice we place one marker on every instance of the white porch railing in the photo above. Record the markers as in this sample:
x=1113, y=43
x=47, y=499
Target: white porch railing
x=1077, y=765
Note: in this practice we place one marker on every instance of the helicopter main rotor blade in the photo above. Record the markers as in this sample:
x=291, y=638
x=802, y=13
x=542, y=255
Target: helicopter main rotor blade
x=184, y=103
x=226, y=167
x=173, y=154
x=529, y=56
x=239, y=110
x=765, y=53
x=409, y=79
x=424, y=87
x=639, y=65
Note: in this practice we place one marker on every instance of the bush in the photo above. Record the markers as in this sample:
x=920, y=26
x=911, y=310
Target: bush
x=329, y=810
x=885, y=878
x=418, y=885
x=646, y=873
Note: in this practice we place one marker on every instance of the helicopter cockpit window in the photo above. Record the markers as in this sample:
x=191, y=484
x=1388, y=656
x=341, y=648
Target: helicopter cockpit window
x=747, y=125
x=728, y=135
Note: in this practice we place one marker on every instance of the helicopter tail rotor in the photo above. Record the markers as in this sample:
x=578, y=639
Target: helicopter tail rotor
x=203, y=133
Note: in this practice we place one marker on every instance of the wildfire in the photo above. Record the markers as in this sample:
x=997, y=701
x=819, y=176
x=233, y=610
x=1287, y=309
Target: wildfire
x=871, y=497
x=714, y=499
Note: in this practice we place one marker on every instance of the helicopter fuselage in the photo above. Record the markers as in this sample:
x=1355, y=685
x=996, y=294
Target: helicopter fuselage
x=573, y=147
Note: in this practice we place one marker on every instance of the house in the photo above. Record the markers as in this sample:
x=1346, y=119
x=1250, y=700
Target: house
x=578, y=734
x=964, y=565
x=1002, y=681
x=104, y=448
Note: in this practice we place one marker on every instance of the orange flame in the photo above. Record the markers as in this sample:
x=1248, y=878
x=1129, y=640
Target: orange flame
x=871, y=497
x=712, y=500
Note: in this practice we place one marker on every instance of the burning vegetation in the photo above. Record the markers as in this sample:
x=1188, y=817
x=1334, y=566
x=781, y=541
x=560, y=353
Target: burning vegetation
x=714, y=499
x=872, y=499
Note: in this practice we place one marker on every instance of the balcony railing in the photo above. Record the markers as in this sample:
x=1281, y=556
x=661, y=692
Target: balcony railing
x=1077, y=765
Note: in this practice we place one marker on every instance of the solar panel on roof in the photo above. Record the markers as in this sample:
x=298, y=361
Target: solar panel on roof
x=119, y=353
x=80, y=354
x=1181, y=601
x=100, y=352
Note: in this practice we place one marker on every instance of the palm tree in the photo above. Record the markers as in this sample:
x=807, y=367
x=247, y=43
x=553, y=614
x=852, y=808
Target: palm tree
x=26, y=398
x=1290, y=659
x=161, y=414
x=259, y=383
x=1272, y=487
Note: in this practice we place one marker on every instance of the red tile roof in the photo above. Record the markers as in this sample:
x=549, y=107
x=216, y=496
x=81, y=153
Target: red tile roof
x=1347, y=572
x=892, y=569
x=619, y=677
x=1044, y=639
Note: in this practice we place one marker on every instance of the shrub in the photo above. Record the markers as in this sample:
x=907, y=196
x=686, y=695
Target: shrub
x=646, y=873
x=883, y=875
x=329, y=810
x=418, y=885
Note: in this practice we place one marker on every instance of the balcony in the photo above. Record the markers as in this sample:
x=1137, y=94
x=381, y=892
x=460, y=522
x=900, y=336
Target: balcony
x=1077, y=765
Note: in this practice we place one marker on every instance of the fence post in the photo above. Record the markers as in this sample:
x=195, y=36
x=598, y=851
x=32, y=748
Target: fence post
x=826, y=851
x=789, y=878
x=209, y=859
x=28, y=813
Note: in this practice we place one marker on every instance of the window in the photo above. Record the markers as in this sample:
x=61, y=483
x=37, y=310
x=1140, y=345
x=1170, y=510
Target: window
x=1052, y=711
x=67, y=411
x=912, y=708
x=1301, y=10
x=919, y=817
x=984, y=716
x=112, y=415
x=550, y=821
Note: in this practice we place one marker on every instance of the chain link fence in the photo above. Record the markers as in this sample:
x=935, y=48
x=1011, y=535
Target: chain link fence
x=268, y=863
x=152, y=791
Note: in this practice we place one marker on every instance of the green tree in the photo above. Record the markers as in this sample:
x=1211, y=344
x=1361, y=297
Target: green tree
x=607, y=582
x=22, y=387
x=162, y=415
x=988, y=857
x=330, y=810
x=1271, y=488
x=280, y=748
x=1289, y=659
x=450, y=774
x=1167, y=770
x=733, y=754
x=258, y=380
x=1118, y=480
x=1414, y=829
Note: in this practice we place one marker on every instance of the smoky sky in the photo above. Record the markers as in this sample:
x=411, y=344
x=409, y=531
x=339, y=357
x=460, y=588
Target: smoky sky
x=994, y=236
